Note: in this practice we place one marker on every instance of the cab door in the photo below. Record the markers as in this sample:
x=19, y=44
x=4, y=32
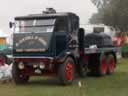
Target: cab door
x=61, y=35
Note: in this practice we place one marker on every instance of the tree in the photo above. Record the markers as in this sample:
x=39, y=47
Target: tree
x=100, y=3
x=114, y=13
x=96, y=18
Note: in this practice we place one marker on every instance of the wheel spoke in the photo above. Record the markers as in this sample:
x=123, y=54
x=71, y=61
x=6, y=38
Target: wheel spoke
x=103, y=65
x=69, y=71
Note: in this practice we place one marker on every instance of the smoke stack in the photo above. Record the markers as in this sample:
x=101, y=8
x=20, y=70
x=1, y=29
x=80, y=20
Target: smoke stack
x=49, y=11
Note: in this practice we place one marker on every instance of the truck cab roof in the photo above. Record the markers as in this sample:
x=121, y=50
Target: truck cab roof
x=49, y=15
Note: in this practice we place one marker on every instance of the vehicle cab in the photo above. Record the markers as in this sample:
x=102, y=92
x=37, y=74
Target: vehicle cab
x=41, y=41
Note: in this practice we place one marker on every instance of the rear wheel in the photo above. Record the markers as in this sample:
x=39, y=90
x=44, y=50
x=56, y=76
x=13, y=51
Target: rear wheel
x=17, y=76
x=66, y=71
x=101, y=68
x=110, y=64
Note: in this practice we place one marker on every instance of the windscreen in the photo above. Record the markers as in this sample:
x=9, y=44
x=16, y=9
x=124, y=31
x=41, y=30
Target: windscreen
x=36, y=25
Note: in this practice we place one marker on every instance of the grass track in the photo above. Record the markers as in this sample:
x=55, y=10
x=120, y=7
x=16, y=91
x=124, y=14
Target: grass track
x=115, y=85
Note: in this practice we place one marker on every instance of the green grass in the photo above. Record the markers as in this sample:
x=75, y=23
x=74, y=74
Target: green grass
x=114, y=85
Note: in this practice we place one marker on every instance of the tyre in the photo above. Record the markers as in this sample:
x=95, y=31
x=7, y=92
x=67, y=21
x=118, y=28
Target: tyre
x=101, y=68
x=9, y=61
x=5, y=59
x=110, y=64
x=17, y=76
x=82, y=68
x=66, y=71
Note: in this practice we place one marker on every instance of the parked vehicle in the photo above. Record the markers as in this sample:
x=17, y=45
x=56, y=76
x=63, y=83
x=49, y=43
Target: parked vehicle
x=5, y=50
x=53, y=44
x=5, y=55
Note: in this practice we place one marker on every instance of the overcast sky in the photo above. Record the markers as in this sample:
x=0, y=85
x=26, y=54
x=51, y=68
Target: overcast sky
x=11, y=8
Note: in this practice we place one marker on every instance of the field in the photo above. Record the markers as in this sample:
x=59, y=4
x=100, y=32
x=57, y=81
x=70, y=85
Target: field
x=115, y=85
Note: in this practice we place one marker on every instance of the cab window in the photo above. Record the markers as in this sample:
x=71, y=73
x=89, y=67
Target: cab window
x=61, y=25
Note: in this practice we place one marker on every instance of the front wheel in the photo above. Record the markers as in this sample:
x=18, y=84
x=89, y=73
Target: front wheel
x=17, y=76
x=66, y=71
